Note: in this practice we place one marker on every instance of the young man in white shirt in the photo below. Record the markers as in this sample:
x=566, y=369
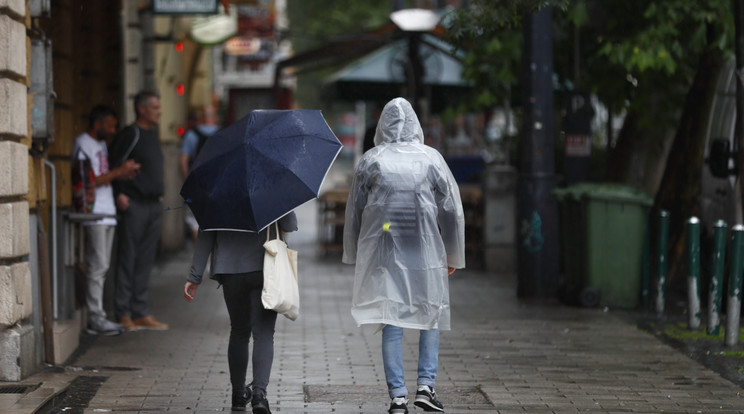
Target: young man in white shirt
x=99, y=234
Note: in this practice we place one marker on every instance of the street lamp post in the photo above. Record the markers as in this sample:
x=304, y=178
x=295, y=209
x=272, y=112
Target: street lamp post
x=537, y=210
x=415, y=22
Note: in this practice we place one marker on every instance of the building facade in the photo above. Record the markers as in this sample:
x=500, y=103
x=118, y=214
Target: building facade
x=58, y=59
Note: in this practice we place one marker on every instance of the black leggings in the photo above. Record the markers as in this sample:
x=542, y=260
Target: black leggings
x=242, y=293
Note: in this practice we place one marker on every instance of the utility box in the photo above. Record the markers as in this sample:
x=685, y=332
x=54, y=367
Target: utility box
x=42, y=91
x=500, y=220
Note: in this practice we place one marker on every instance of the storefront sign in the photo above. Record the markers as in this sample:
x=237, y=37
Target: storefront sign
x=184, y=6
x=242, y=46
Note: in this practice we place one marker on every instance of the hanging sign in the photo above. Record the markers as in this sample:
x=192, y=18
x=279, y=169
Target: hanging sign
x=184, y=6
x=242, y=46
x=578, y=145
x=212, y=30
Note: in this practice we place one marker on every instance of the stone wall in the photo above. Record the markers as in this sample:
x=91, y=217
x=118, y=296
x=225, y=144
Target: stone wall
x=15, y=276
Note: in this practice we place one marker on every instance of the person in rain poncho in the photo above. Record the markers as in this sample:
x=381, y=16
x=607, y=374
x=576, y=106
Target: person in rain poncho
x=405, y=232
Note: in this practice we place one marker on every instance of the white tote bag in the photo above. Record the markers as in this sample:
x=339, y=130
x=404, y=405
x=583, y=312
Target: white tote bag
x=280, y=292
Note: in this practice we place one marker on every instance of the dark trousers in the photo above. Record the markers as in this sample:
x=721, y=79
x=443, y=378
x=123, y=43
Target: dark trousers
x=248, y=317
x=138, y=231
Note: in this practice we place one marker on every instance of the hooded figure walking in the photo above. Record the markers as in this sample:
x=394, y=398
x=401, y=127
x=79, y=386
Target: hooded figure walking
x=405, y=231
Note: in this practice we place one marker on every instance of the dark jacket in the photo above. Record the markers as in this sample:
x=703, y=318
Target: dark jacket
x=233, y=251
x=148, y=184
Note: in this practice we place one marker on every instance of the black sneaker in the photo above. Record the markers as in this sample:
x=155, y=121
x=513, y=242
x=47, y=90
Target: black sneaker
x=426, y=399
x=240, y=399
x=260, y=404
x=399, y=405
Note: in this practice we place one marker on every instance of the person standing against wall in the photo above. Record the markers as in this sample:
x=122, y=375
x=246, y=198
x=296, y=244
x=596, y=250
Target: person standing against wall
x=140, y=208
x=99, y=234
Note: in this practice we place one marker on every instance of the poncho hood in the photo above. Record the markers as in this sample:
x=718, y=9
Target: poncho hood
x=398, y=123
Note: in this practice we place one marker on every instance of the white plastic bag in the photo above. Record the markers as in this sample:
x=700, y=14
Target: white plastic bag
x=280, y=292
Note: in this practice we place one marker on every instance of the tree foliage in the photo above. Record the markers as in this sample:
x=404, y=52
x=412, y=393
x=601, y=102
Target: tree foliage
x=316, y=22
x=658, y=62
x=621, y=42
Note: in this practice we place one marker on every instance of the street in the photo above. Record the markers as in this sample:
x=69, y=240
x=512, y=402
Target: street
x=504, y=355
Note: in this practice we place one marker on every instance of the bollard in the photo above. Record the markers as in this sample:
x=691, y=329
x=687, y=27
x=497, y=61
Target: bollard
x=661, y=267
x=646, y=265
x=734, y=286
x=693, y=277
x=716, y=277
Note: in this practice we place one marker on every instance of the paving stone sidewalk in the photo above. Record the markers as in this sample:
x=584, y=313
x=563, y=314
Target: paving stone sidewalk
x=504, y=355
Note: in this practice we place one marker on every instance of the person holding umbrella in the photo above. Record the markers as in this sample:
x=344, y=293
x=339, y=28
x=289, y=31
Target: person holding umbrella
x=248, y=176
x=405, y=232
x=237, y=264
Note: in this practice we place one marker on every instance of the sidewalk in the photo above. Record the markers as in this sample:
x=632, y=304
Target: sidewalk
x=504, y=355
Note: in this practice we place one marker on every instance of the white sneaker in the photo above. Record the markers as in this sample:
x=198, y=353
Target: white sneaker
x=399, y=405
x=426, y=399
x=104, y=327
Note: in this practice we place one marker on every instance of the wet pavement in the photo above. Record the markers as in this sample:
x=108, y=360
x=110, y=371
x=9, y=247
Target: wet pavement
x=504, y=355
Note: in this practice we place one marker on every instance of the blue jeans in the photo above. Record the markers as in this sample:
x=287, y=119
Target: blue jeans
x=392, y=356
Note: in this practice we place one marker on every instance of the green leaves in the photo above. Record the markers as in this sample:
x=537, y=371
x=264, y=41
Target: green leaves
x=610, y=41
x=313, y=23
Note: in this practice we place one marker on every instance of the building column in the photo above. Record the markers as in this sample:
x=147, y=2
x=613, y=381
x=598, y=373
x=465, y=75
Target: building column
x=16, y=359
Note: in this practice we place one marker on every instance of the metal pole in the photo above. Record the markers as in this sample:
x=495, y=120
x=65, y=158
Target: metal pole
x=646, y=264
x=661, y=264
x=416, y=71
x=537, y=209
x=693, y=276
x=734, y=286
x=716, y=277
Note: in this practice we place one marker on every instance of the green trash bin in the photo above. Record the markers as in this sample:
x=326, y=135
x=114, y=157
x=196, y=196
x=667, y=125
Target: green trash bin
x=601, y=227
x=614, y=220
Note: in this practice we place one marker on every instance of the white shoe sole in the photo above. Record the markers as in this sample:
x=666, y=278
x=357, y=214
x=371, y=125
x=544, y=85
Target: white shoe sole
x=103, y=333
x=424, y=403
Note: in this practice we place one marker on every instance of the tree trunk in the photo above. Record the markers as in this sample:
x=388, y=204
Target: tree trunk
x=680, y=189
x=739, y=126
x=644, y=140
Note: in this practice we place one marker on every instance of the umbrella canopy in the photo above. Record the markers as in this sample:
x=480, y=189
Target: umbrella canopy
x=257, y=170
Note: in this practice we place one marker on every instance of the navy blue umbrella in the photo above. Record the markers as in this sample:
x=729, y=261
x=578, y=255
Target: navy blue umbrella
x=260, y=168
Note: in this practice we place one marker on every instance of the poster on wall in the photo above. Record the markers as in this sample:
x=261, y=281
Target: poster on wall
x=184, y=6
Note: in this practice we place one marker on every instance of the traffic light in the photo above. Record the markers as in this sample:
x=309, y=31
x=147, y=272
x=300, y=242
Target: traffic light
x=180, y=89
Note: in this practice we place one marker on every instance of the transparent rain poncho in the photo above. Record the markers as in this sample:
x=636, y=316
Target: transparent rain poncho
x=404, y=226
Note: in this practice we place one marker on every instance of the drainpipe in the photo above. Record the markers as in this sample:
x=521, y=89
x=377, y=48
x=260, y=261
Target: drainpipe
x=53, y=234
